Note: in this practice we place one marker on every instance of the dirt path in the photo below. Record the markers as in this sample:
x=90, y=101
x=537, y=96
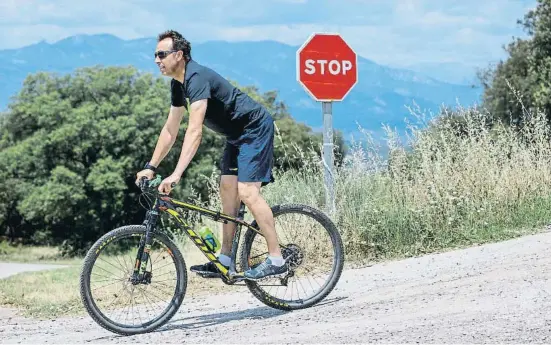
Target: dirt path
x=488, y=294
x=10, y=268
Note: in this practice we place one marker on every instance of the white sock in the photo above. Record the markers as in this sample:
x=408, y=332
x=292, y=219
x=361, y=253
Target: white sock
x=224, y=259
x=277, y=260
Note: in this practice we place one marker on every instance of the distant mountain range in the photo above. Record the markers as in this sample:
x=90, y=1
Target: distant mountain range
x=380, y=96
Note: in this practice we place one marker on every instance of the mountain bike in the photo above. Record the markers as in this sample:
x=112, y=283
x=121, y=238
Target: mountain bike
x=143, y=252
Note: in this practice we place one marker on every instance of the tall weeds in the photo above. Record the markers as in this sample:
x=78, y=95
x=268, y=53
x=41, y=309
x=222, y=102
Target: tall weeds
x=460, y=180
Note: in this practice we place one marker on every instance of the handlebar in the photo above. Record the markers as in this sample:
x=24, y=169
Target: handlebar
x=147, y=185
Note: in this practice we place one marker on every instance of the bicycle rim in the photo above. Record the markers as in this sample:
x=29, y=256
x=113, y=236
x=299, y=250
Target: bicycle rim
x=110, y=297
x=312, y=247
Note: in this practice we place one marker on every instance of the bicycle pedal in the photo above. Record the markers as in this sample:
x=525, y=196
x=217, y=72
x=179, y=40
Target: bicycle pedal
x=208, y=275
x=276, y=276
x=237, y=279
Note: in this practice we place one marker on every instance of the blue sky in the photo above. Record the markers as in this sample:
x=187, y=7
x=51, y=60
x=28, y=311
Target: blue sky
x=442, y=38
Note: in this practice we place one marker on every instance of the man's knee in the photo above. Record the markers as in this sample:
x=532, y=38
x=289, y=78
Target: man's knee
x=228, y=185
x=249, y=192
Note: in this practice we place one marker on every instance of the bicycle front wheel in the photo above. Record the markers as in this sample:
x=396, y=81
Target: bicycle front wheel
x=128, y=307
x=313, y=249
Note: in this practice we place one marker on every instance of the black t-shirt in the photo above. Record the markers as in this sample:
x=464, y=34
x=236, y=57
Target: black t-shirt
x=229, y=109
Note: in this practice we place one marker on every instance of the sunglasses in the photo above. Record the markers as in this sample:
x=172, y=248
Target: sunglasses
x=164, y=53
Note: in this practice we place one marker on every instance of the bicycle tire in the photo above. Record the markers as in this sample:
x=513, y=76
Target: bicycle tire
x=90, y=259
x=338, y=249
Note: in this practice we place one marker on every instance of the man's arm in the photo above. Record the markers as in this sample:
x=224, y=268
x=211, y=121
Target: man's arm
x=168, y=135
x=193, y=135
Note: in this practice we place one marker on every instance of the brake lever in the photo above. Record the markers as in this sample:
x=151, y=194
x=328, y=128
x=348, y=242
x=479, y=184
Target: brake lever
x=142, y=183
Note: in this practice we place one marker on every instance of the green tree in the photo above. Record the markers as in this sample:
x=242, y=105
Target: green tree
x=70, y=147
x=522, y=82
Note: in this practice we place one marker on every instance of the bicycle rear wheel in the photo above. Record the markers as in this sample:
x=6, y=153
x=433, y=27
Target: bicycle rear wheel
x=107, y=291
x=313, y=249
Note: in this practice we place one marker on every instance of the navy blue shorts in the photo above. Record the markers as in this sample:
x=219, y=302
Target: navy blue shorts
x=251, y=156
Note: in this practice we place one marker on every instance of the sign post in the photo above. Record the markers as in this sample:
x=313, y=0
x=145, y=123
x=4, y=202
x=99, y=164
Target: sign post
x=328, y=155
x=327, y=69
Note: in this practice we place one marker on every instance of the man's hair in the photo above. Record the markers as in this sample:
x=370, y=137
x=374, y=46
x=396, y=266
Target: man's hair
x=178, y=42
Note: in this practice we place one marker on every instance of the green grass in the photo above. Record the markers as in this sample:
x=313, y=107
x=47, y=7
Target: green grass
x=44, y=294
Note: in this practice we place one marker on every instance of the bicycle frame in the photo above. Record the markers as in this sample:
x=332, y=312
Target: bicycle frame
x=164, y=203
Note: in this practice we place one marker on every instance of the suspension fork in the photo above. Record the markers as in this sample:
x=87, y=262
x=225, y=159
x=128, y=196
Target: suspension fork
x=145, y=245
x=235, y=242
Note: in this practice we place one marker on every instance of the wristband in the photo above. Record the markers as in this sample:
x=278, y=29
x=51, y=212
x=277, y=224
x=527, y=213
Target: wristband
x=149, y=166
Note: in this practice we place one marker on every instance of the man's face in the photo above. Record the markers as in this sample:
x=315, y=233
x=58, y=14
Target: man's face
x=167, y=59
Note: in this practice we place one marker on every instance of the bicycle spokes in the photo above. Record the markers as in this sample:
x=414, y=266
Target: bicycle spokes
x=307, y=249
x=129, y=294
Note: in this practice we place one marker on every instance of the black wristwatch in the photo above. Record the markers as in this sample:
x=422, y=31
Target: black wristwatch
x=149, y=166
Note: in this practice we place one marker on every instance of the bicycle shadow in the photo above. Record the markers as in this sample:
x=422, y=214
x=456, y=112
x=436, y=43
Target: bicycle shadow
x=202, y=321
x=258, y=313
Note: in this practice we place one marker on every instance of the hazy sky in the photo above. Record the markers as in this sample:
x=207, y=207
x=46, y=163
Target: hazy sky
x=420, y=34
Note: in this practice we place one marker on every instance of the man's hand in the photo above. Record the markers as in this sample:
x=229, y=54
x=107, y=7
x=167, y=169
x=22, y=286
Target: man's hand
x=169, y=183
x=147, y=173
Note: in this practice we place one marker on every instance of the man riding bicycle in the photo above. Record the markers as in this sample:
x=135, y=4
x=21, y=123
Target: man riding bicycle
x=247, y=159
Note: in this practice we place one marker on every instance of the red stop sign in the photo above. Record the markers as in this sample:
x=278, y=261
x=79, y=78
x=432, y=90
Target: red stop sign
x=327, y=67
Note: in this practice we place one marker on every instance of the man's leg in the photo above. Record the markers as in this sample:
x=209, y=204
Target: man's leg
x=249, y=192
x=274, y=265
x=230, y=206
x=255, y=160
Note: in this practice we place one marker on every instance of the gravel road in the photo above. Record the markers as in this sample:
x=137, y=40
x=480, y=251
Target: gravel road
x=486, y=294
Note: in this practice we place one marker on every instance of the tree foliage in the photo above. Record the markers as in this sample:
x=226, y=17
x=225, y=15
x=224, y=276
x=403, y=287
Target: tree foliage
x=70, y=147
x=522, y=82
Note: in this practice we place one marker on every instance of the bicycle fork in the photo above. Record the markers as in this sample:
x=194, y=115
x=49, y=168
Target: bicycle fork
x=140, y=275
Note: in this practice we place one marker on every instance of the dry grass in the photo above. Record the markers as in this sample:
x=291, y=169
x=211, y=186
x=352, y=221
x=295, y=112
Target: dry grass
x=33, y=254
x=458, y=184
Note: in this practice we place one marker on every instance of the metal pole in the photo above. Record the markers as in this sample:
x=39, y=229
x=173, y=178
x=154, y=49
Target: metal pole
x=327, y=111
